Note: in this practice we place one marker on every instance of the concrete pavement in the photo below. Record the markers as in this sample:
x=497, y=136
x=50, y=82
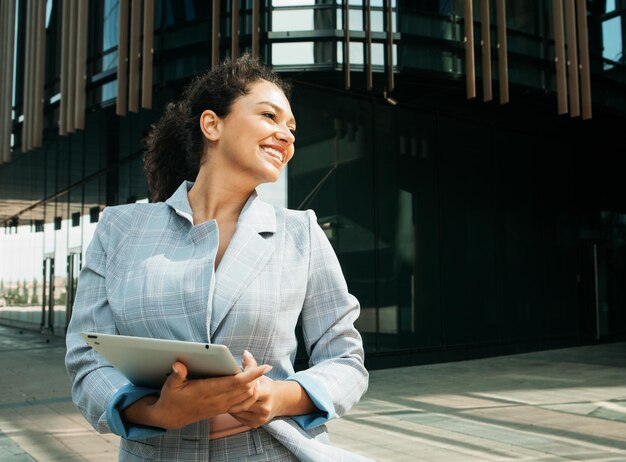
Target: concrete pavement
x=558, y=405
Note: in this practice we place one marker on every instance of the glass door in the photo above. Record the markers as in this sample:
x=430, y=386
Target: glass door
x=47, y=299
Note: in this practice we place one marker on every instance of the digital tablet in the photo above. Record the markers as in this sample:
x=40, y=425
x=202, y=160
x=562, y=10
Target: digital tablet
x=147, y=362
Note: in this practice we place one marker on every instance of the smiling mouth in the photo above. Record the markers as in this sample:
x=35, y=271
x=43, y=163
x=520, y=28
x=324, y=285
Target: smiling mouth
x=274, y=153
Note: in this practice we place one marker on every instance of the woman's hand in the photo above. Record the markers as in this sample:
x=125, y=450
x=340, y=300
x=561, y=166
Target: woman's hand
x=274, y=398
x=183, y=402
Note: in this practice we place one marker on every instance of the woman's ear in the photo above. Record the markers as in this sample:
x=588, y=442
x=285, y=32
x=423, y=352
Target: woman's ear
x=210, y=125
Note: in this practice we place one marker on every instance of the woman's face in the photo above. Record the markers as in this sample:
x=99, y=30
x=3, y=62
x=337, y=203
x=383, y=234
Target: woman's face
x=256, y=139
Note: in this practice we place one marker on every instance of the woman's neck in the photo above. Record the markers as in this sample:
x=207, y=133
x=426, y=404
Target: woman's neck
x=213, y=198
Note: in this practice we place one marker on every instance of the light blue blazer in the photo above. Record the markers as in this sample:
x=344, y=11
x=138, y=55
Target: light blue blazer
x=150, y=272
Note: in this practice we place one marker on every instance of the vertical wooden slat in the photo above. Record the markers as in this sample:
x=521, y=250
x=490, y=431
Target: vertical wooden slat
x=134, y=57
x=369, y=78
x=4, y=25
x=572, y=58
x=256, y=28
x=71, y=72
x=81, y=64
x=6, y=66
x=215, y=34
x=122, y=59
x=234, y=29
x=503, y=60
x=583, y=49
x=65, y=43
x=559, y=59
x=39, y=74
x=346, y=44
x=27, y=79
x=390, y=64
x=148, y=50
x=470, y=69
x=485, y=27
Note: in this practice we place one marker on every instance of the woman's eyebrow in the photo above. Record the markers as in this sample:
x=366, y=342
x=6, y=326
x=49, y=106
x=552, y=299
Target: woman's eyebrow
x=277, y=109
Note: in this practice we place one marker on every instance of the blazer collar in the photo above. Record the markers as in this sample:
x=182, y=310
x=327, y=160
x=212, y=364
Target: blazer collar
x=256, y=215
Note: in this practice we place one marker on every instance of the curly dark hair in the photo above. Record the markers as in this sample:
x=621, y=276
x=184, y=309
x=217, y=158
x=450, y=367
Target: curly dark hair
x=175, y=146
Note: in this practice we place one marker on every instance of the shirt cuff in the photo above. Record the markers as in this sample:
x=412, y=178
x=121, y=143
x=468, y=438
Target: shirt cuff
x=123, y=398
x=320, y=398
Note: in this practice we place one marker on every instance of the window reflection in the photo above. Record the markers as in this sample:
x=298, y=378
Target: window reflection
x=612, y=41
x=290, y=20
x=292, y=53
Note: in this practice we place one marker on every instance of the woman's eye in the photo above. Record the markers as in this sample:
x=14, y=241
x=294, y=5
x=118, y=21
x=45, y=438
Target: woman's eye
x=270, y=115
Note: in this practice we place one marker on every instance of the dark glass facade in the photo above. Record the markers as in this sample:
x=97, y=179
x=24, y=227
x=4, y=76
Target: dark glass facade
x=464, y=227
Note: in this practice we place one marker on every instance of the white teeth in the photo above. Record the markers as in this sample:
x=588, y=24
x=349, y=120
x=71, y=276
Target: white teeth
x=274, y=152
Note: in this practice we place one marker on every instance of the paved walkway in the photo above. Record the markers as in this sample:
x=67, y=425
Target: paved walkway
x=550, y=406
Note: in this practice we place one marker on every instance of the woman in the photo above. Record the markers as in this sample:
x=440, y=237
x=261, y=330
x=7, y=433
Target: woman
x=213, y=263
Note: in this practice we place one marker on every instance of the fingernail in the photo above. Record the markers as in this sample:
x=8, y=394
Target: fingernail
x=247, y=353
x=268, y=368
x=174, y=369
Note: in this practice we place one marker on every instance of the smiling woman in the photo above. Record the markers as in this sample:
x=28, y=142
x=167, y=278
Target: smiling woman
x=215, y=264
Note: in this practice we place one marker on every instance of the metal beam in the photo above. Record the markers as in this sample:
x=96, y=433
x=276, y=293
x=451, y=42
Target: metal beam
x=6, y=64
x=65, y=31
x=390, y=77
x=503, y=63
x=346, y=43
x=134, y=56
x=559, y=58
x=583, y=49
x=215, y=34
x=369, y=78
x=256, y=28
x=470, y=68
x=27, y=94
x=39, y=74
x=71, y=73
x=81, y=64
x=572, y=58
x=122, y=59
x=485, y=27
x=234, y=29
x=147, y=54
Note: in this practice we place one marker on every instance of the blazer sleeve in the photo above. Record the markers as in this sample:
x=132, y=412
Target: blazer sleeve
x=336, y=378
x=98, y=390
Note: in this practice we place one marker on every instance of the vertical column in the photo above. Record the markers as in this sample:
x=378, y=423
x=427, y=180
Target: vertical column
x=485, y=27
x=71, y=73
x=572, y=58
x=147, y=54
x=215, y=34
x=234, y=30
x=81, y=64
x=583, y=49
x=390, y=77
x=7, y=50
x=346, y=44
x=369, y=79
x=28, y=77
x=503, y=64
x=39, y=74
x=122, y=58
x=65, y=43
x=134, y=56
x=470, y=70
x=559, y=59
x=256, y=27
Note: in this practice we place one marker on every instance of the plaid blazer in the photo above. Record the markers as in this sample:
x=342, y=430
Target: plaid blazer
x=149, y=272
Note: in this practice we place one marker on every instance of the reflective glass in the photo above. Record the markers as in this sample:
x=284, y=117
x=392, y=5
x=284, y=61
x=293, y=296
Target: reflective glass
x=293, y=2
x=110, y=29
x=612, y=39
x=291, y=20
x=292, y=53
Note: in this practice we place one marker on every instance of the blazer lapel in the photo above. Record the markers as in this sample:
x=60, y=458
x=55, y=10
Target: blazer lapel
x=246, y=255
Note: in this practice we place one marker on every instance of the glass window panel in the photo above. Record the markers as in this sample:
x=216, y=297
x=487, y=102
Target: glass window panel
x=612, y=39
x=293, y=2
x=290, y=20
x=292, y=53
x=275, y=193
x=110, y=24
x=356, y=53
x=610, y=6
